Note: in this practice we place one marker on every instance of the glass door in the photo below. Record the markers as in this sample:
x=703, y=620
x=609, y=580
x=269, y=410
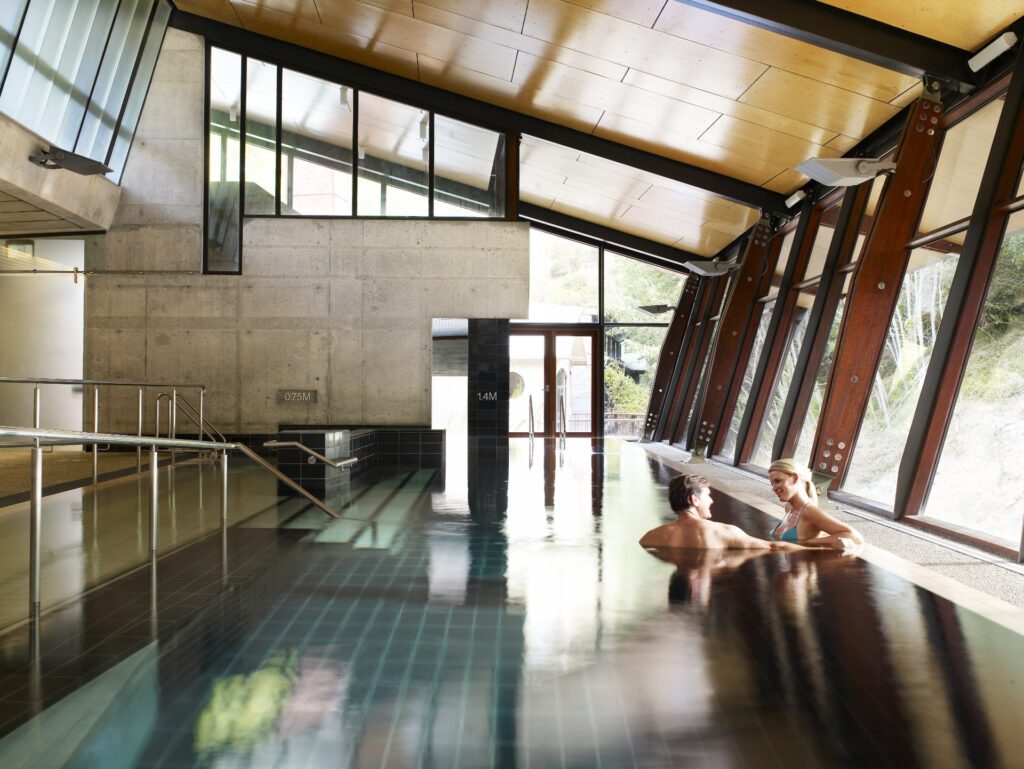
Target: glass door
x=556, y=368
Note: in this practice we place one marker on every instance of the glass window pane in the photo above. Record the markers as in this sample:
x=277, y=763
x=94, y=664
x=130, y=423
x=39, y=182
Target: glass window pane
x=781, y=261
x=729, y=447
x=222, y=227
x=113, y=79
x=526, y=382
x=876, y=457
x=762, y=455
x=985, y=439
x=469, y=164
x=139, y=89
x=573, y=381
x=316, y=146
x=54, y=65
x=630, y=285
x=957, y=178
x=394, y=144
x=11, y=12
x=260, y=137
x=810, y=421
x=630, y=361
x=563, y=279
x=822, y=243
x=701, y=373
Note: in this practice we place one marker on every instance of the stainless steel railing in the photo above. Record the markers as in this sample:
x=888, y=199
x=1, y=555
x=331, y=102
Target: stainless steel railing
x=69, y=437
x=561, y=420
x=96, y=384
x=314, y=455
x=530, y=418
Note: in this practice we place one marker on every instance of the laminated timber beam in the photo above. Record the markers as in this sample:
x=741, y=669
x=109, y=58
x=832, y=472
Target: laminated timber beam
x=482, y=113
x=850, y=34
x=874, y=294
x=730, y=337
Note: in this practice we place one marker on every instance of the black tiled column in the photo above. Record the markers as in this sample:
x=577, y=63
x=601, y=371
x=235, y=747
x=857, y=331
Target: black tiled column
x=488, y=416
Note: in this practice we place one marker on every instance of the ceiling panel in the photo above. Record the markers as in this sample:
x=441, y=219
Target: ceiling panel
x=964, y=24
x=776, y=50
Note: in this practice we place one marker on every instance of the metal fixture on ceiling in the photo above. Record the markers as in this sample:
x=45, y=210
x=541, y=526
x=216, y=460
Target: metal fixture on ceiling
x=844, y=172
x=711, y=269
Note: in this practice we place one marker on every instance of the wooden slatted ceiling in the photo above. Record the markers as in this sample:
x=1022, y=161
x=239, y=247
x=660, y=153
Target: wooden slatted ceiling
x=654, y=74
x=18, y=217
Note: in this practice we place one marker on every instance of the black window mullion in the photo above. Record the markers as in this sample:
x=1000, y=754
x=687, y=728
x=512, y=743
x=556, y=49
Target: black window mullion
x=206, y=157
x=96, y=76
x=430, y=165
x=243, y=135
x=131, y=84
x=277, y=144
x=355, y=152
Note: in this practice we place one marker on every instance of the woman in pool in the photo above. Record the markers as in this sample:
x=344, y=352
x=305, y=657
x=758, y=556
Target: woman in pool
x=806, y=523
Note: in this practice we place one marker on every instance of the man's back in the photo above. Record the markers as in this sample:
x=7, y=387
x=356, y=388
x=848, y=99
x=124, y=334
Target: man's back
x=700, y=534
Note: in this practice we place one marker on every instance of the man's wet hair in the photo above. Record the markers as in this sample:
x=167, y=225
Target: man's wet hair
x=682, y=487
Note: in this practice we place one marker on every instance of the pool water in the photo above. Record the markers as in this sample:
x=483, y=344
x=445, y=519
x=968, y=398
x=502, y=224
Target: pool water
x=410, y=634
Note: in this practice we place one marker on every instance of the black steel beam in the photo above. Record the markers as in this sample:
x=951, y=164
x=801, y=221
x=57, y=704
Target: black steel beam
x=849, y=34
x=621, y=242
x=473, y=110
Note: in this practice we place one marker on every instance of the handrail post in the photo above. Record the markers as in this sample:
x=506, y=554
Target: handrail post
x=531, y=417
x=95, y=429
x=224, y=489
x=202, y=406
x=174, y=422
x=138, y=449
x=36, y=515
x=154, y=493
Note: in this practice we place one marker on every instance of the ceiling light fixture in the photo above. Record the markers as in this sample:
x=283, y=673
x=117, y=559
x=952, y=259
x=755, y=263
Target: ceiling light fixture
x=710, y=269
x=795, y=198
x=844, y=172
x=656, y=309
x=992, y=51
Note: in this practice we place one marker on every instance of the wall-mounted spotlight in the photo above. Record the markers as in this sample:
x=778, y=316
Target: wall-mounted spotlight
x=58, y=158
x=795, y=198
x=992, y=51
x=843, y=172
x=656, y=309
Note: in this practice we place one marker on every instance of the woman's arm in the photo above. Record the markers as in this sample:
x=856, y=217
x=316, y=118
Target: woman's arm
x=839, y=535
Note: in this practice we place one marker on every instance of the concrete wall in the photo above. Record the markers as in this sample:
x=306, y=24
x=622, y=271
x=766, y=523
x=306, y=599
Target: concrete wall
x=339, y=306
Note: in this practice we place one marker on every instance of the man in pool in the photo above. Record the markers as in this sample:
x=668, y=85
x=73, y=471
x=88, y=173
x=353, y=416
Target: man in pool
x=690, y=498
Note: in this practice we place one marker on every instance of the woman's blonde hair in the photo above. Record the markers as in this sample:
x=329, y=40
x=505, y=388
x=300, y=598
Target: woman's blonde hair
x=792, y=467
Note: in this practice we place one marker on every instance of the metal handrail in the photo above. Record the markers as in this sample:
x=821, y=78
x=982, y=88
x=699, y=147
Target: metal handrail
x=531, y=417
x=71, y=437
x=295, y=444
x=204, y=425
x=561, y=419
x=113, y=382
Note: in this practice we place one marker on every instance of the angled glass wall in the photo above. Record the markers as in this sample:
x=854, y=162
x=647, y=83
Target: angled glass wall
x=76, y=72
x=985, y=438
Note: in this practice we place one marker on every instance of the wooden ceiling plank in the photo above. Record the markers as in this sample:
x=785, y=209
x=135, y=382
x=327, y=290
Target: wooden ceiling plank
x=507, y=14
x=645, y=49
x=851, y=34
x=520, y=42
x=735, y=109
x=797, y=96
x=763, y=143
x=775, y=50
x=642, y=12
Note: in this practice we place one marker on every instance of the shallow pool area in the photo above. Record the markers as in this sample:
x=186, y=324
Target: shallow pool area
x=412, y=634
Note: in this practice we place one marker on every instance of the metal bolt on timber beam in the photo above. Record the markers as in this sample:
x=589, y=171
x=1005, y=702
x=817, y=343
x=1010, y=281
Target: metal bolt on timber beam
x=874, y=294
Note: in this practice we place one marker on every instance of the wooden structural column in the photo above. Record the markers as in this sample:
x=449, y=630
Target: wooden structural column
x=965, y=303
x=730, y=335
x=819, y=325
x=778, y=332
x=670, y=361
x=875, y=292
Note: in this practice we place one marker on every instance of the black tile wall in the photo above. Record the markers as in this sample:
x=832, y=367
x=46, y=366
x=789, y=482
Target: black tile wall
x=487, y=415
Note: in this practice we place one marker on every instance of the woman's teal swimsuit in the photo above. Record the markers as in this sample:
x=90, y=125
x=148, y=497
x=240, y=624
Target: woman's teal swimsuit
x=788, y=535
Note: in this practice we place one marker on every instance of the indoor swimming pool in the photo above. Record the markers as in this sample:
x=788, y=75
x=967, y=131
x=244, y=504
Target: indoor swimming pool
x=412, y=634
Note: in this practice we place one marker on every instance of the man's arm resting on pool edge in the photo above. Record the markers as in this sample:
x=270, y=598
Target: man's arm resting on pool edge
x=734, y=538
